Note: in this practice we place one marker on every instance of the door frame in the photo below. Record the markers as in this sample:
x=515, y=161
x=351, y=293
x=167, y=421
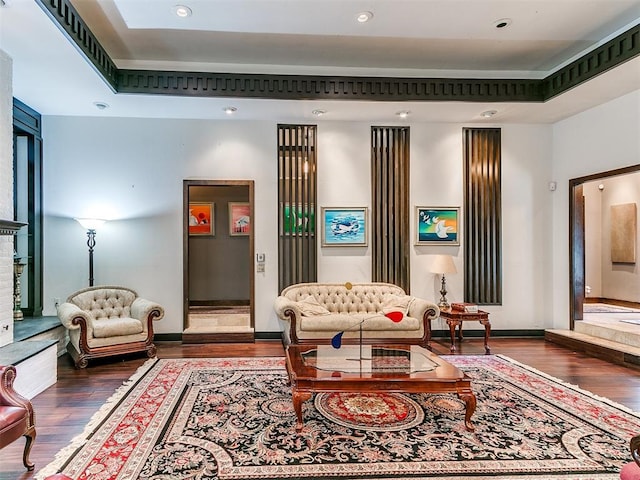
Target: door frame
x=185, y=242
x=577, y=238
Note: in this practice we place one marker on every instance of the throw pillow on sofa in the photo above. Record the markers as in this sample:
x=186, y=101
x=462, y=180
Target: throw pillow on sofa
x=396, y=303
x=310, y=307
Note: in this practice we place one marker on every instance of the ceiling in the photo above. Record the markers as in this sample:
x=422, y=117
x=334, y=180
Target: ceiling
x=404, y=38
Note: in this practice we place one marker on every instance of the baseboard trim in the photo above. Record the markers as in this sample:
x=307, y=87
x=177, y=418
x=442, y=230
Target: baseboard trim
x=218, y=337
x=494, y=333
x=177, y=337
x=611, y=301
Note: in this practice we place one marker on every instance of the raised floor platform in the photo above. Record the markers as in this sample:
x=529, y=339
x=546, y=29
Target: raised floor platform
x=37, y=342
x=613, y=336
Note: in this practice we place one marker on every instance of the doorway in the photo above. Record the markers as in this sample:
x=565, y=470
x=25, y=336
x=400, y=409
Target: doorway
x=578, y=239
x=218, y=248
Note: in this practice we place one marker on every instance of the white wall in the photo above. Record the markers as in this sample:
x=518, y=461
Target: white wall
x=620, y=281
x=597, y=140
x=592, y=239
x=6, y=198
x=131, y=171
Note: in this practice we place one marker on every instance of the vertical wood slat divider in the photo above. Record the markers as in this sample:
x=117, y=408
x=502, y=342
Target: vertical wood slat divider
x=297, y=251
x=482, y=216
x=390, y=205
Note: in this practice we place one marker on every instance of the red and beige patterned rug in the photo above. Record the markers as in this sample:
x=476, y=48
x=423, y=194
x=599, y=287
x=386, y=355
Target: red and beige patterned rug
x=234, y=419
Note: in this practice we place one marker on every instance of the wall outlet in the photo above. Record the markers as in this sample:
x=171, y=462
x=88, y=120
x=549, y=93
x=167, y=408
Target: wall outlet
x=56, y=302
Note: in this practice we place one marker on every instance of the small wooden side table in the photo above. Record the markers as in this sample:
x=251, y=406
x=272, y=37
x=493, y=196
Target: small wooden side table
x=455, y=318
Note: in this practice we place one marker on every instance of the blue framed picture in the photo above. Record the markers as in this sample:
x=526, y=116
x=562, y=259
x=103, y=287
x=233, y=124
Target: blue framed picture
x=344, y=227
x=437, y=226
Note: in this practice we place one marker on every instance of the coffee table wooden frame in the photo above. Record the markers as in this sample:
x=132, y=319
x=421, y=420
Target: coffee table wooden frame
x=307, y=380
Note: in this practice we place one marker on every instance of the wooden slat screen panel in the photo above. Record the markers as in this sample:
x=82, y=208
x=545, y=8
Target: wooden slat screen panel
x=297, y=192
x=390, y=214
x=482, y=216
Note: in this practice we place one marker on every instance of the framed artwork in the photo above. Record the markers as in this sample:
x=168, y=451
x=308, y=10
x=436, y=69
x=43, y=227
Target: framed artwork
x=437, y=225
x=344, y=227
x=239, y=218
x=297, y=220
x=201, y=218
x=623, y=233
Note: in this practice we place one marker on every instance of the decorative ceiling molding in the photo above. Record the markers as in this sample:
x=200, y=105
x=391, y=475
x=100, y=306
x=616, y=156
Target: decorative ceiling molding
x=308, y=87
x=295, y=87
x=613, y=53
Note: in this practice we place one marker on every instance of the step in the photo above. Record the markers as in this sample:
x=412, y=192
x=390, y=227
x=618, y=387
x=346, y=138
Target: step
x=611, y=329
x=610, y=350
x=219, y=329
x=222, y=320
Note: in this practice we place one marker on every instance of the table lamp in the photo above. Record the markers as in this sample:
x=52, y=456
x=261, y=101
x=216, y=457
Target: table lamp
x=443, y=264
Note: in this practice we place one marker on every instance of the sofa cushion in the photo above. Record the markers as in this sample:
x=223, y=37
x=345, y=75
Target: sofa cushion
x=113, y=327
x=310, y=306
x=338, y=322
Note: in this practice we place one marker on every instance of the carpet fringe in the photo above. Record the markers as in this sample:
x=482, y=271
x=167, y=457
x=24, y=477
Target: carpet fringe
x=572, y=386
x=97, y=418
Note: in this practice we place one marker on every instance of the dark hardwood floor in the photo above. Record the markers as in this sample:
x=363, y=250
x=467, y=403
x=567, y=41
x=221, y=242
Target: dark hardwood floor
x=63, y=409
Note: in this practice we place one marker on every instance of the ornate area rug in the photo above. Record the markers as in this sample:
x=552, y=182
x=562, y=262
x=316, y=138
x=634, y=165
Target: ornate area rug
x=234, y=419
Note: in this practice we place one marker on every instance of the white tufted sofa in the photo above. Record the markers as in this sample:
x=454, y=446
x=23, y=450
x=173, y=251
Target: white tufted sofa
x=314, y=312
x=108, y=320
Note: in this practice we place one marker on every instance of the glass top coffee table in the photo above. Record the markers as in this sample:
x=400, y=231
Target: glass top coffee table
x=373, y=368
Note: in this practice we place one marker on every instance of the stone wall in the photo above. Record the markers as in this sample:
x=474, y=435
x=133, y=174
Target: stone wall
x=6, y=198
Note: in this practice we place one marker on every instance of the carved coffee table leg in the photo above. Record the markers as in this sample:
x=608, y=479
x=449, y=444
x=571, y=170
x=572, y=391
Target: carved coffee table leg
x=298, y=398
x=469, y=400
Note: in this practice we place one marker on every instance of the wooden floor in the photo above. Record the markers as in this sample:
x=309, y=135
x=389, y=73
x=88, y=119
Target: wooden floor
x=63, y=409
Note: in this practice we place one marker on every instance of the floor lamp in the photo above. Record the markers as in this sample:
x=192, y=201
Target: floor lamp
x=90, y=225
x=443, y=264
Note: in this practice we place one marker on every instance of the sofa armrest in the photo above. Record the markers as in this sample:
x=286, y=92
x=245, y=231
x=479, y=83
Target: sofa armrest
x=288, y=311
x=8, y=396
x=423, y=310
x=73, y=318
x=285, y=308
x=146, y=311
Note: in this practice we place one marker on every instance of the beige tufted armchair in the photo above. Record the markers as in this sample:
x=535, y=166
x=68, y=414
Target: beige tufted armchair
x=108, y=320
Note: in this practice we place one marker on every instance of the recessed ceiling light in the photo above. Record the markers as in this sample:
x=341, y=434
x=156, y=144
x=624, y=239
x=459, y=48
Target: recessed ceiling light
x=502, y=23
x=403, y=113
x=182, y=11
x=101, y=105
x=364, y=17
x=318, y=112
x=488, y=113
x=229, y=110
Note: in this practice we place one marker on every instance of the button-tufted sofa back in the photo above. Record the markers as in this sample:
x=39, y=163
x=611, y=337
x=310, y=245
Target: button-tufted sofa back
x=339, y=298
x=105, y=301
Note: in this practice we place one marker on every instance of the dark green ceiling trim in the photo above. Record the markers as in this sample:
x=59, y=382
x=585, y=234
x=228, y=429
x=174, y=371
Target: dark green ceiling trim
x=297, y=87
x=613, y=53
x=67, y=19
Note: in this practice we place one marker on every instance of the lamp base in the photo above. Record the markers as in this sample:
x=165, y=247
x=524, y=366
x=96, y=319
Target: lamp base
x=443, y=304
